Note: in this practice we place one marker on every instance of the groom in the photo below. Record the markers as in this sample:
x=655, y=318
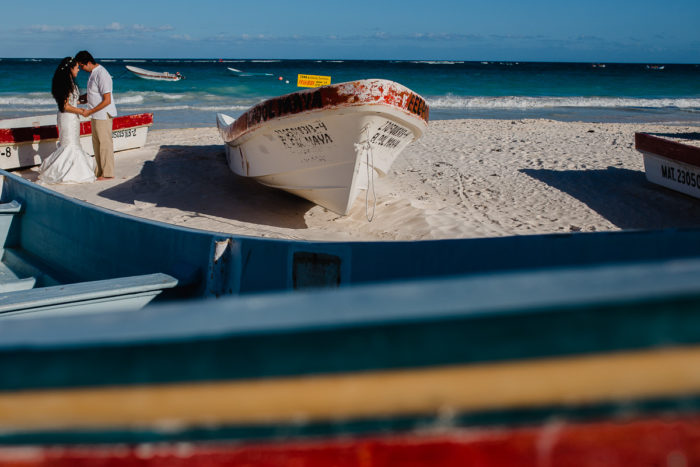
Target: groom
x=102, y=109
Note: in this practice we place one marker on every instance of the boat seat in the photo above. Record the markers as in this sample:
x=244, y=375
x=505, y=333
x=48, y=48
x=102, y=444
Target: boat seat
x=122, y=293
x=7, y=213
x=17, y=284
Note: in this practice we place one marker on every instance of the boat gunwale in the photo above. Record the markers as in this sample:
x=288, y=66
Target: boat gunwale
x=666, y=148
x=47, y=133
x=329, y=98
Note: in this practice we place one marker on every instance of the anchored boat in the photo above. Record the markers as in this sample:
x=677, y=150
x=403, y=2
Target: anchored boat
x=244, y=74
x=328, y=143
x=154, y=75
x=25, y=141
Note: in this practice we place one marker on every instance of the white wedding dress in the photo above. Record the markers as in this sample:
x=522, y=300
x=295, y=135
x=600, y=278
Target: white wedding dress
x=68, y=163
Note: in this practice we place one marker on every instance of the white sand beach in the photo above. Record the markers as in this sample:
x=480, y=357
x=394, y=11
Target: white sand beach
x=464, y=178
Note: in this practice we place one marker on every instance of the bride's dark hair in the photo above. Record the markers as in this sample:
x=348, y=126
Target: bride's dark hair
x=63, y=82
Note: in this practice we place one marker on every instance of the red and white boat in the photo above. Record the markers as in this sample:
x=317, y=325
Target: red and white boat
x=26, y=141
x=325, y=144
x=672, y=161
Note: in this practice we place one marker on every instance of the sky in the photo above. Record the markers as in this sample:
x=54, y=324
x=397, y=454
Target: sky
x=514, y=30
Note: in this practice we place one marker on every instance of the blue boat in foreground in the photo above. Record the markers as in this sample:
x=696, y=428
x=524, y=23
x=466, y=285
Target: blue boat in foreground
x=569, y=349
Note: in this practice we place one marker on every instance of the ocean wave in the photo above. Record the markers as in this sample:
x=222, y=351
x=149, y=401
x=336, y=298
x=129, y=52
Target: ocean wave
x=201, y=108
x=436, y=62
x=40, y=100
x=525, y=102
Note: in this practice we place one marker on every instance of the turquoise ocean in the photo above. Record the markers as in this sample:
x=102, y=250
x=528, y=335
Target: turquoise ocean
x=611, y=92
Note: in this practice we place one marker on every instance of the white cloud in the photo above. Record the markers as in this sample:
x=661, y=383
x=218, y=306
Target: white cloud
x=111, y=28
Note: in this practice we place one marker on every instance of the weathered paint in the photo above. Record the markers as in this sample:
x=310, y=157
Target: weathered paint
x=49, y=132
x=355, y=93
x=668, y=149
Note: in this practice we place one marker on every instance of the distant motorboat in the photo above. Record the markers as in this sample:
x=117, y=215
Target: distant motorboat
x=325, y=144
x=243, y=74
x=655, y=67
x=154, y=75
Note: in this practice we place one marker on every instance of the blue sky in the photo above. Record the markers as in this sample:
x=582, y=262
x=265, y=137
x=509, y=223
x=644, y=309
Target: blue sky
x=548, y=30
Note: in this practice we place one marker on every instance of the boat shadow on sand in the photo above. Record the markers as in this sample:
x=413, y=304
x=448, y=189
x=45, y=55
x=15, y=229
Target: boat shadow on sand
x=198, y=181
x=624, y=197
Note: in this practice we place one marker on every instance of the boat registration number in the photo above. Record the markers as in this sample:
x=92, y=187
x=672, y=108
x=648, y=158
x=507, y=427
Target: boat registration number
x=671, y=174
x=6, y=151
x=126, y=133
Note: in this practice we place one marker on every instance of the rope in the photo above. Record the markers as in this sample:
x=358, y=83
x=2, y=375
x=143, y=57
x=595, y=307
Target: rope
x=369, y=160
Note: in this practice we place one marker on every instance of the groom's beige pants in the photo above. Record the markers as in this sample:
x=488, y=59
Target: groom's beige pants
x=103, y=146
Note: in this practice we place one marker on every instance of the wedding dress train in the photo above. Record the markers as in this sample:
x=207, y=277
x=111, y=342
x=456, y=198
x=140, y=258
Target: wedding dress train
x=68, y=163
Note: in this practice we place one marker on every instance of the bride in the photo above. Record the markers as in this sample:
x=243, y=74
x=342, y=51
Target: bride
x=68, y=163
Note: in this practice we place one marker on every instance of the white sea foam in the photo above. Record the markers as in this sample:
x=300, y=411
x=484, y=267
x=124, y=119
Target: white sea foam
x=525, y=102
x=437, y=62
x=27, y=99
x=202, y=108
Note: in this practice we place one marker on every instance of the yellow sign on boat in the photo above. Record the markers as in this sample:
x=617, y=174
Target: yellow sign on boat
x=312, y=81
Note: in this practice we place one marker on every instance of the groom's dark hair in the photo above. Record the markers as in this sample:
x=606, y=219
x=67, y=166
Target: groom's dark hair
x=84, y=57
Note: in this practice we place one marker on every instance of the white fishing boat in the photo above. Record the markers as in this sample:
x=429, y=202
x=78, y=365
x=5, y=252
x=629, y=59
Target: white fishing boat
x=325, y=144
x=26, y=141
x=154, y=75
x=672, y=161
x=244, y=74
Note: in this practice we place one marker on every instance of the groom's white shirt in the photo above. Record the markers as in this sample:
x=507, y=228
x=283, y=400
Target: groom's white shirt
x=99, y=83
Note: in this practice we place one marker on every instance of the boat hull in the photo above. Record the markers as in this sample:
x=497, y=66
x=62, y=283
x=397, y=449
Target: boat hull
x=670, y=164
x=25, y=142
x=442, y=370
x=335, y=145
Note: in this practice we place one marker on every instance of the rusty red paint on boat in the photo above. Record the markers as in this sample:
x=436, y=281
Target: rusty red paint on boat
x=672, y=441
x=354, y=93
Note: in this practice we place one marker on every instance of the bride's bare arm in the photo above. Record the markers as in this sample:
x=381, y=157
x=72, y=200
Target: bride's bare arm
x=74, y=110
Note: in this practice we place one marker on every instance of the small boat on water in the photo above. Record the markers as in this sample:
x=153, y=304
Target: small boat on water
x=244, y=74
x=672, y=160
x=154, y=75
x=25, y=141
x=325, y=144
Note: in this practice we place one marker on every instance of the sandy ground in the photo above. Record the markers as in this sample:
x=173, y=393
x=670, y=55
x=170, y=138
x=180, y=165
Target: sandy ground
x=464, y=178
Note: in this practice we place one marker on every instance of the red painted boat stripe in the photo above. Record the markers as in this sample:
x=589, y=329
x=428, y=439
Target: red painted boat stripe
x=612, y=444
x=48, y=132
x=668, y=149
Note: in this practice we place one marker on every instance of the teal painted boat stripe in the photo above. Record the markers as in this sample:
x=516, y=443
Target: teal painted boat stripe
x=411, y=343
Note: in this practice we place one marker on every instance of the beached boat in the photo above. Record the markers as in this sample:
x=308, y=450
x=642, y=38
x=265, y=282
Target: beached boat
x=154, y=75
x=26, y=141
x=581, y=366
x=504, y=350
x=672, y=160
x=244, y=74
x=325, y=144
